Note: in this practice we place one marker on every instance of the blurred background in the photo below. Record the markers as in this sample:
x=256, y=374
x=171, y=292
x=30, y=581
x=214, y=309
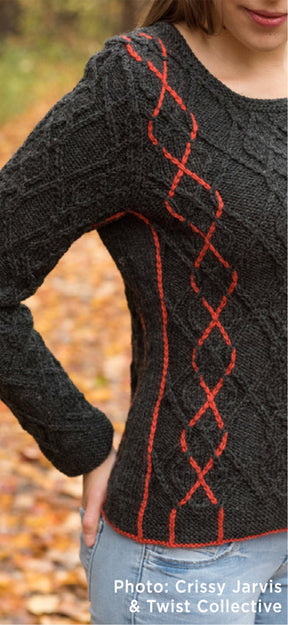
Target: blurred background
x=36, y=36
x=82, y=316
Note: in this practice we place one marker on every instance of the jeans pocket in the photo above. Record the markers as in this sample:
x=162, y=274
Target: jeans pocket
x=86, y=553
x=189, y=557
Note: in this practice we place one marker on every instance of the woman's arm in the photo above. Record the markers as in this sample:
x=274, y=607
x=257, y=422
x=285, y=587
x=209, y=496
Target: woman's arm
x=73, y=171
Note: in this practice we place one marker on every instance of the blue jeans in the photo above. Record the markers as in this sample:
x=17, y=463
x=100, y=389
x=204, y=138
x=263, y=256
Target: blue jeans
x=241, y=582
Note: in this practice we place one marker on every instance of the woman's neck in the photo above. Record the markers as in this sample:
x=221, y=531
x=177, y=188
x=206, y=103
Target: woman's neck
x=253, y=73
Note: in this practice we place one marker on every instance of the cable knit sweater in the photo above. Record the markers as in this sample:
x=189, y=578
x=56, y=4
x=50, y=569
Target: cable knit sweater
x=184, y=181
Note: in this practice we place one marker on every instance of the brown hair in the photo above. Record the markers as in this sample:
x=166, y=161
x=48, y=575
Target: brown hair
x=196, y=13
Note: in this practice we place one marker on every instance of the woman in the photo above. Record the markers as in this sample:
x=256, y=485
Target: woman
x=172, y=146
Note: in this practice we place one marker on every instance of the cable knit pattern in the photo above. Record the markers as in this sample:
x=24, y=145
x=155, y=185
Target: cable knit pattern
x=184, y=180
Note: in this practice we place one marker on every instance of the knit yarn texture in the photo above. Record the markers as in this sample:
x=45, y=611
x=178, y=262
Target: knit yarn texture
x=184, y=180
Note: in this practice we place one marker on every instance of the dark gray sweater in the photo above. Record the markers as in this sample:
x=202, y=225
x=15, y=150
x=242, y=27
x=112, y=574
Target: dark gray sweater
x=185, y=182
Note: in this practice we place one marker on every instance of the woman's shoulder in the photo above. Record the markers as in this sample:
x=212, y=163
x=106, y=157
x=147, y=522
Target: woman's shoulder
x=146, y=48
x=124, y=62
x=147, y=60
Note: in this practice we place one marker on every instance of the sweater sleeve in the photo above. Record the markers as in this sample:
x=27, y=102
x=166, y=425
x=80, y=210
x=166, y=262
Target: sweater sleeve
x=74, y=170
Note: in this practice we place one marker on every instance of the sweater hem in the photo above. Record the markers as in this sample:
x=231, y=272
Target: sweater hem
x=151, y=541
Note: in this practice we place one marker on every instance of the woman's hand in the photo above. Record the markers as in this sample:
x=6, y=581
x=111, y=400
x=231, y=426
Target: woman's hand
x=94, y=492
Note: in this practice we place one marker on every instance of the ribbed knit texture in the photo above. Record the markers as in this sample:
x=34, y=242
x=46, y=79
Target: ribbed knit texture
x=185, y=182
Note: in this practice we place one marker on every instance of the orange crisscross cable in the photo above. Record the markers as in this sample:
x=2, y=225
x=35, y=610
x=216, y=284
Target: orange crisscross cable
x=183, y=169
